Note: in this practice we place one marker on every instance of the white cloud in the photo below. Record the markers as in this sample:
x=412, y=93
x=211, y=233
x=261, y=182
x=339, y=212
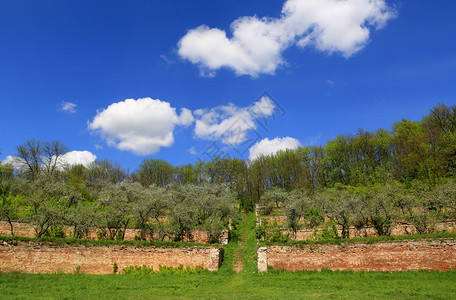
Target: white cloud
x=77, y=158
x=192, y=151
x=256, y=45
x=68, y=107
x=141, y=126
x=230, y=123
x=267, y=147
x=15, y=162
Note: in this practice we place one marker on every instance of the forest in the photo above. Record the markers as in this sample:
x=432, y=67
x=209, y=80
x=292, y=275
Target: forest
x=365, y=178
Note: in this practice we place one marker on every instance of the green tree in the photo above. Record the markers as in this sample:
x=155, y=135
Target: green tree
x=155, y=172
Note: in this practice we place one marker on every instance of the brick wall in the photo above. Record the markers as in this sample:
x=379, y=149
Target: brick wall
x=39, y=257
x=386, y=256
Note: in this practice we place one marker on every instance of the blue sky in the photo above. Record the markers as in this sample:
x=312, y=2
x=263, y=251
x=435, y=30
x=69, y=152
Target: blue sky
x=67, y=67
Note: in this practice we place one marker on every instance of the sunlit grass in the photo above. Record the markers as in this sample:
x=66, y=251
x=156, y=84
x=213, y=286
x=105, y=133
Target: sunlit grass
x=229, y=285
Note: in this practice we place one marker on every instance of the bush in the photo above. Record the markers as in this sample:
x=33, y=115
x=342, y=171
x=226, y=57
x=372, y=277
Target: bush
x=328, y=232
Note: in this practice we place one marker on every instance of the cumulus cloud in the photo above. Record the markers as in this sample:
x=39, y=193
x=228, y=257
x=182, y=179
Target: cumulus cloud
x=67, y=107
x=267, y=146
x=13, y=161
x=77, y=158
x=256, y=45
x=230, y=123
x=141, y=126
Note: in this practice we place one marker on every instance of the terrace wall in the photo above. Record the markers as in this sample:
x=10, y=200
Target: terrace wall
x=39, y=257
x=436, y=254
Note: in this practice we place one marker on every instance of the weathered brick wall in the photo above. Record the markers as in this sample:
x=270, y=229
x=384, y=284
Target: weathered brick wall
x=385, y=256
x=38, y=257
x=26, y=230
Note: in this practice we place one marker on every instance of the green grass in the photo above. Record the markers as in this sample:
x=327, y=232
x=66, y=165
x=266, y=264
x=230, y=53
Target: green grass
x=242, y=245
x=225, y=285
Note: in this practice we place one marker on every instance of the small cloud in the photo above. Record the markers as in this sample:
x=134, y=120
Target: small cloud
x=312, y=140
x=192, y=151
x=167, y=60
x=268, y=147
x=330, y=83
x=67, y=107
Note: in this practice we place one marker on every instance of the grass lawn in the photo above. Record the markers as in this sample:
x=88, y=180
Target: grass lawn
x=230, y=285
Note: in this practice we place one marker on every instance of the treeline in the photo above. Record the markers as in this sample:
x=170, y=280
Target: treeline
x=411, y=153
x=104, y=197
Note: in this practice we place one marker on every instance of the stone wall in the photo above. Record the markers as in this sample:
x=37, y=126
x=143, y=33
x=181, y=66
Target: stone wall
x=39, y=257
x=432, y=254
x=26, y=230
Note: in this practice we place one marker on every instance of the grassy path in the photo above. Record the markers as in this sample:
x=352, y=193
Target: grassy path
x=240, y=253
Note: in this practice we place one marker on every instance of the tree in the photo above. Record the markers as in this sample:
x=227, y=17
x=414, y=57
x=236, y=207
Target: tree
x=295, y=209
x=37, y=157
x=114, y=210
x=149, y=205
x=44, y=195
x=274, y=196
x=382, y=212
x=155, y=172
x=338, y=205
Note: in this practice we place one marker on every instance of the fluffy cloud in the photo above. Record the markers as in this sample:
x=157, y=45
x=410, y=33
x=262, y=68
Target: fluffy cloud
x=68, y=107
x=13, y=161
x=77, y=158
x=141, y=126
x=230, y=123
x=267, y=147
x=256, y=45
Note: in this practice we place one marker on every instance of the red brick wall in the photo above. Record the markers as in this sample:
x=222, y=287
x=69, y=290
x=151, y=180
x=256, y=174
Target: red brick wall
x=385, y=256
x=34, y=257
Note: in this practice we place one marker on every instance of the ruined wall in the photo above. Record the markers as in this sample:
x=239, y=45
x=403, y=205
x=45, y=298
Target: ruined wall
x=385, y=256
x=39, y=257
x=26, y=230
